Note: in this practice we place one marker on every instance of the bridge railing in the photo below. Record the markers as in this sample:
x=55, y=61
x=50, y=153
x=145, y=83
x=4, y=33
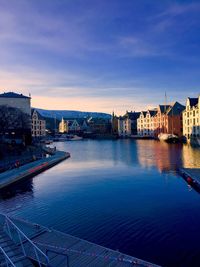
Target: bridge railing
x=29, y=249
x=7, y=261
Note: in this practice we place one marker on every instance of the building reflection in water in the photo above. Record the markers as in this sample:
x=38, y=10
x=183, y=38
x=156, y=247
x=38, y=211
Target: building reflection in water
x=166, y=157
x=190, y=157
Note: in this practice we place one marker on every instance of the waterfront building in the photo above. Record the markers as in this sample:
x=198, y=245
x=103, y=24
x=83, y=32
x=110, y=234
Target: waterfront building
x=164, y=119
x=15, y=100
x=63, y=126
x=168, y=119
x=100, y=126
x=15, y=118
x=73, y=126
x=127, y=125
x=114, y=122
x=191, y=119
x=38, y=128
x=145, y=123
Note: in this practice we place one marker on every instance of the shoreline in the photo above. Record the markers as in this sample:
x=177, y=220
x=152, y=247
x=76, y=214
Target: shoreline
x=32, y=169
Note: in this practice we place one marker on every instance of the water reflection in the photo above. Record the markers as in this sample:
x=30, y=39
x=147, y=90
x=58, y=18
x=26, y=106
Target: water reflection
x=190, y=157
x=90, y=155
x=115, y=193
x=166, y=157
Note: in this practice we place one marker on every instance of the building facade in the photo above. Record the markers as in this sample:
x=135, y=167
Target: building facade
x=38, y=128
x=16, y=101
x=191, y=119
x=127, y=125
x=164, y=119
x=146, y=123
x=16, y=110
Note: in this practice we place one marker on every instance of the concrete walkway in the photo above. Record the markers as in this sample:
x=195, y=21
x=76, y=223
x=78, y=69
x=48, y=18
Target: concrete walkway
x=66, y=250
x=31, y=169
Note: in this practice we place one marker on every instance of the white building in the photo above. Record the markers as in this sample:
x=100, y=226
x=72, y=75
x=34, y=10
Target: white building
x=16, y=101
x=38, y=128
x=127, y=125
x=124, y=127
x=145, y=123
x=191, y=119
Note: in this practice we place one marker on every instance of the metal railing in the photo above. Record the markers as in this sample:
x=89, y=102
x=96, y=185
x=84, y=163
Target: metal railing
x=17, y=235
x=8, y=261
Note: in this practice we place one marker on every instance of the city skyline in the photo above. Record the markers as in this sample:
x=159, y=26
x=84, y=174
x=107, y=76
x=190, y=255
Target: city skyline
x=100, y=56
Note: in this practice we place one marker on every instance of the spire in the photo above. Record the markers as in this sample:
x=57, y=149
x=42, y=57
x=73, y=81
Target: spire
x=165, y=101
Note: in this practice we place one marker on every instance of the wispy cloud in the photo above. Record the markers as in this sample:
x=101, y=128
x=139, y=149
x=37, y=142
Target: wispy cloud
x=103, y=54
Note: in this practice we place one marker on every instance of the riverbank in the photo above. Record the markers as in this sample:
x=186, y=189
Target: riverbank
x=191, y=176
x=31, y=169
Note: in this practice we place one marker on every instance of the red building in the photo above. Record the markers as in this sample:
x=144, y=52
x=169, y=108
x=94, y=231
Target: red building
x=168, y=119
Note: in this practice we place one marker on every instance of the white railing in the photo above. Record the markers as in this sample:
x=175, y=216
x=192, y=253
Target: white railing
x=18, y=236
x=8, y=261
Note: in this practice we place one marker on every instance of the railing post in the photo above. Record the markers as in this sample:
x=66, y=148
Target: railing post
x=8, y=227
x=24, y=252
x=8, y=223
x=36, y=254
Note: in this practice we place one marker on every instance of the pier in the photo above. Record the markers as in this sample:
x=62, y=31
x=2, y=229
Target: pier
x=191, y=176
x=31, y=169
x=25, y=243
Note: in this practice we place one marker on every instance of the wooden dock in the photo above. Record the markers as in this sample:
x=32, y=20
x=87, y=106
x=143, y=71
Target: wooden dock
x=31, y=169
x=191, y=176
x=66, y=250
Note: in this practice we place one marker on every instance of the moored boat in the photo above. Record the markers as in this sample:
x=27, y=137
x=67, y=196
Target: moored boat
x=169, y=138
x=72, y=137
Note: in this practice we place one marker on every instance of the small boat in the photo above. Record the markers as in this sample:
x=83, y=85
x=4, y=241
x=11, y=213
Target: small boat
x=169, y=138
x=72, y=137
x=47, y=142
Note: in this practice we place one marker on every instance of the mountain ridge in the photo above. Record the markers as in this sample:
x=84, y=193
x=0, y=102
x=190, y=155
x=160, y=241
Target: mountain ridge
x=59, y=114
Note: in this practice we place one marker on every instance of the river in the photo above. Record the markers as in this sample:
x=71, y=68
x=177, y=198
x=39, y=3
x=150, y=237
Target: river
x=122, y=194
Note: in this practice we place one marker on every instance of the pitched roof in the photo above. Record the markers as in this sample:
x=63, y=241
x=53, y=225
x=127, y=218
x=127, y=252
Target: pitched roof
x=40, y=117
x=193, y=101
x=144, y=113
x=80, y=121
x=164, y=108
x=13, y=95
x=133, y=115
x=175, y=109
x=152, y=112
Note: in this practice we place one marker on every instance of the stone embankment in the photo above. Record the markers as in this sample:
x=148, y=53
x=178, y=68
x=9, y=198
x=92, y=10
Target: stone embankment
x=31, y=169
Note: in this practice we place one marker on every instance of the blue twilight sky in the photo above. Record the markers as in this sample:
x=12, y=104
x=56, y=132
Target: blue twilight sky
x=100, y=55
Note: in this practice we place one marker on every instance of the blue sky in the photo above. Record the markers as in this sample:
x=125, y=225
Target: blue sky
x=100, y=55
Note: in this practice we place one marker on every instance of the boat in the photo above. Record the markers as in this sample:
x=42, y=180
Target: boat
x=169, y=138
x=72, y=137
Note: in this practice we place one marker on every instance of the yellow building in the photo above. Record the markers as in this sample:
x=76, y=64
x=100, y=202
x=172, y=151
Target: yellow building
x=63, y=126
x=191, y=119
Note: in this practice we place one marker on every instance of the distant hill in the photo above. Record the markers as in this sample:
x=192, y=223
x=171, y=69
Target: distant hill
x=59, y=114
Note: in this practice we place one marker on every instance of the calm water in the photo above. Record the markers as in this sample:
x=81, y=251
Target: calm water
x=122, y=194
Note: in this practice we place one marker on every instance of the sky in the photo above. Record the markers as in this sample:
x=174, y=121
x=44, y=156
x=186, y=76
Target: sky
x=100, y=55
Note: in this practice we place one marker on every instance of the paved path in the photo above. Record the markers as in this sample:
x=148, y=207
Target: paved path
x=31, y=169
x=66, y=250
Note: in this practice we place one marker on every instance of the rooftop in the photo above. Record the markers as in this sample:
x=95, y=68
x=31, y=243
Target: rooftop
x=193, y=101
x=13, y=95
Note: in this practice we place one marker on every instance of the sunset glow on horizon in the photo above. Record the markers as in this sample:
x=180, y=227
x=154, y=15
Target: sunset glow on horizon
x=98, y=55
